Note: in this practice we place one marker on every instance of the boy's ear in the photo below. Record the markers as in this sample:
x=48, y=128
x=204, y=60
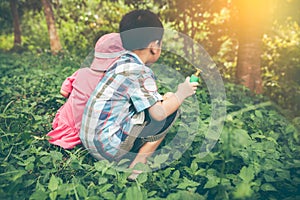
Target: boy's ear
x=154, y=47
x=152, y=52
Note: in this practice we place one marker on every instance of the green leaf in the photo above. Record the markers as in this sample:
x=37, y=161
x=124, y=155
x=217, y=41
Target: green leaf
x=75, y=164
x=247, y=174
x=142, y=167
x=284, y=174
x=268, y=187
x=108, y=195
x=45, y=159
x=29, y=167
x=64, y=189
x=151, y=193
x=243, y=190
x=102, y=180
x=29, y=160
x=133, y=193
x=159, y=159
x=110, y=171
x=200, y=172
x=242, y=137
x=120, y=196
x=123, y=161
x=105, y=188
x=213, y=181
x=56, y=156
x=258, y=113
x=39, y=195
x=269, y=178
x=187, y=183
x=18, y=174
x=53, y=183
x=167, y=172
x=175, y=175
x=177, y=155
x=82, y=191
x=101, y=165
x=142, y=178
x=53, y=195
x=185, y=195
x=194, y=166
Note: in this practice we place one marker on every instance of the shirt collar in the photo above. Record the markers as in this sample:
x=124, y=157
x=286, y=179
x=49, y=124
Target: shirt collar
x=135, y=56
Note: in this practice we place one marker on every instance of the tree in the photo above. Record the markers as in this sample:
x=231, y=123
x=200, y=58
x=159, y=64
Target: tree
x=53, y=35
x=199, y=20
x=16, y=23
x=253, y=17
x=248, y=71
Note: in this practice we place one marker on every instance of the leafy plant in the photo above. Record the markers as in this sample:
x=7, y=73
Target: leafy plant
x=256, y=157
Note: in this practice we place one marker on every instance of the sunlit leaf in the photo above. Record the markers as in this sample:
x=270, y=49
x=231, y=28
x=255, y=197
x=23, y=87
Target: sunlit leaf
x=53, y=183
x=134, y=193
x=243, y=190
x=247, y=174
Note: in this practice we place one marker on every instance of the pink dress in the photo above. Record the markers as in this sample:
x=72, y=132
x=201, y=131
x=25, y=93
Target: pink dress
x=67, y=121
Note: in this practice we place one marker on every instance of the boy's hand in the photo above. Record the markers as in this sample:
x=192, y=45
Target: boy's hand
x=171, y=101
x=186, y=89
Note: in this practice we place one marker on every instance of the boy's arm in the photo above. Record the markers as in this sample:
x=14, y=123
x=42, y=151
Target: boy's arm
x=172, y=101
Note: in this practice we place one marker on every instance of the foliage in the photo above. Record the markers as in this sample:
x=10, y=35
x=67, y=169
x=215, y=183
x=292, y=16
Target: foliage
x=207, y=23
x=281, y=75
x=35, y=22
x=6, y=42
x=5, y=17
x=210, y=23
x=82, y=23
x=257, y=156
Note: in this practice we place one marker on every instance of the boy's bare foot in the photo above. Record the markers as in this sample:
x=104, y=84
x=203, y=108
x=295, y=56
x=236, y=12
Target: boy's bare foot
x=134, y=175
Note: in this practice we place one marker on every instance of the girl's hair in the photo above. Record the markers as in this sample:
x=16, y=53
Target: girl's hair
x=140, y=27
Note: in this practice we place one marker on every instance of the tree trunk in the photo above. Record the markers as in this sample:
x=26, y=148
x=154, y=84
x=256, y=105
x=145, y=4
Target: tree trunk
x=54, y=39
x=248, y=70
x=16, y=22
x=253, y=19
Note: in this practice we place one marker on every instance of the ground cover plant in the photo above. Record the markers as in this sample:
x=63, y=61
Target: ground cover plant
x=256, y=157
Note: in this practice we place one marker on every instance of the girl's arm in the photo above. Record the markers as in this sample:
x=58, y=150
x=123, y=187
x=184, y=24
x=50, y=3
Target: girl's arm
x=67, y=85
x=64, y=93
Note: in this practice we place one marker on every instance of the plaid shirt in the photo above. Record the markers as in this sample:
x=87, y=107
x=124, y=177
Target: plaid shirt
x=127, y=88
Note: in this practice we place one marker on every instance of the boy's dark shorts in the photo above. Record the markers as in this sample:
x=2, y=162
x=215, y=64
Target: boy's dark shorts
x=149, y=131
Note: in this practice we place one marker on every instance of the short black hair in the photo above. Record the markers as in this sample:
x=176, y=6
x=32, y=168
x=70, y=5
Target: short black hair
x=140, y=27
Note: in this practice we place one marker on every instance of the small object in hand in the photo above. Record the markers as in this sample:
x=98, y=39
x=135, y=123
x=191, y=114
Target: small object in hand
x=195, y=77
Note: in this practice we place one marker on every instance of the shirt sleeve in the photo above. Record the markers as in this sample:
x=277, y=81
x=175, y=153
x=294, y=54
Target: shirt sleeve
x=144, y=92
x=67, y=85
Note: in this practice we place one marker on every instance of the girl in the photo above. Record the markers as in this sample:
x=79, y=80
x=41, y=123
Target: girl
x=78, y=88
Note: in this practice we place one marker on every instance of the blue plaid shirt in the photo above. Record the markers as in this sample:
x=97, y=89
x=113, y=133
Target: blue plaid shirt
x=127, y=88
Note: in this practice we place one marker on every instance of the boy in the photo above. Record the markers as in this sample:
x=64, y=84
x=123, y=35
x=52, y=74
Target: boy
x=125, y=113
